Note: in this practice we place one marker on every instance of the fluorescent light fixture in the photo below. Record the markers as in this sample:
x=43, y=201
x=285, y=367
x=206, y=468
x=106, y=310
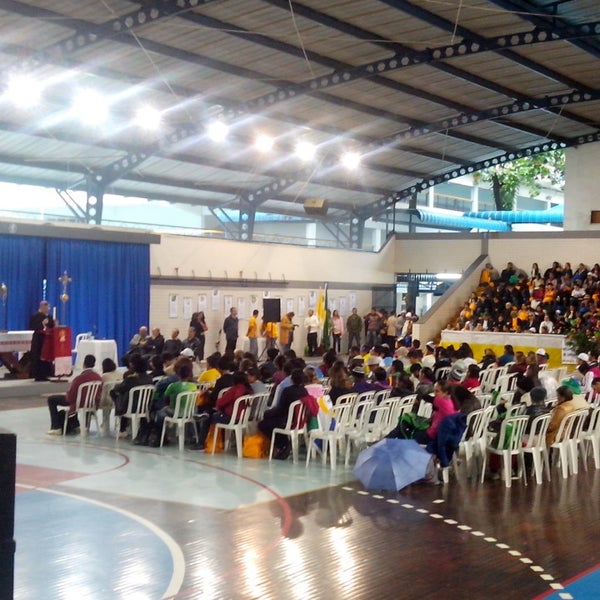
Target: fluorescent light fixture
x=217, y=131
x=351, y=160
x=90, y=107
x=448, y=276
x=148, y=117
x=23, y=91
x=305, y=151
x=264, y=143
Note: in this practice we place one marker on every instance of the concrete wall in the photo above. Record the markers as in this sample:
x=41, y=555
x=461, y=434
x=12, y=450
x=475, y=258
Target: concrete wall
x=582, y=189
x=246, y=272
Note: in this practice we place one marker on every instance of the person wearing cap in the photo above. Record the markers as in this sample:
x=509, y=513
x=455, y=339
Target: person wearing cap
x=429, y=357
x=360, y=385
x=569, y=399
x=541, y=356
x=191, y=343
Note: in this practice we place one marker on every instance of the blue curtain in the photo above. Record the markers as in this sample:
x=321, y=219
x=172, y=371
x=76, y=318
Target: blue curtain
x=110, y=290
x=22, y=269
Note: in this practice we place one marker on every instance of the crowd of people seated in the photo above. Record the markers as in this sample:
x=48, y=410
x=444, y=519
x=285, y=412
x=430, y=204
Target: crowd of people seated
x=558, y=300
x=447, y=378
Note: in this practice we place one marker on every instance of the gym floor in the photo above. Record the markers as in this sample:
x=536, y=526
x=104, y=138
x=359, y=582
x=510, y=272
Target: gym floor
x=103, y=519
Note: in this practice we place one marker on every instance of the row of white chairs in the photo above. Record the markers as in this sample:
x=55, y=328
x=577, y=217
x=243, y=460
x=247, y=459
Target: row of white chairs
x=478, y=442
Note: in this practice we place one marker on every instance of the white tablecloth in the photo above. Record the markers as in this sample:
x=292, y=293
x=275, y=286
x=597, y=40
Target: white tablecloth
x=101, y=349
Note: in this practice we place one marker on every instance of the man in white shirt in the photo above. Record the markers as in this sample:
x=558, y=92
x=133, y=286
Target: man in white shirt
x=311, y=323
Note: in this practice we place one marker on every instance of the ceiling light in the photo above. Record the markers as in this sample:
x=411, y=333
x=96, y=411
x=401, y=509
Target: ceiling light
x=351, y=160
x=448, y=276
x=90, y=107
x=305, y=151
x=148, y=117
x=23, y=91
x=217, y=131
x=264, y=143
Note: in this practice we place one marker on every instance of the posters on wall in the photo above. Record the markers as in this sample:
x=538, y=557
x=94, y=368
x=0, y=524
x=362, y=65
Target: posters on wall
x=202, y=303
x=188, y=307
x=352, y=300
x=241, y=307
x=289, y=305
x=173, y=305
x=343, y=308
x=301, y=306
x=254, y=303
x=216, y=299
x=228, y=304
x=312, y=299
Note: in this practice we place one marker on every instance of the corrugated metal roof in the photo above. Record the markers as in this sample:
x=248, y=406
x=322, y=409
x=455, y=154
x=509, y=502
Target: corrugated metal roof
x=298, y=71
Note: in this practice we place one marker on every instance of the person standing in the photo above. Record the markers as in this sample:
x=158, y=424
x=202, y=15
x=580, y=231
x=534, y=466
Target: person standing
x=286, y=332
x=312, y=331
x=374, y=320
x=337, y=330
x=354, y=325
x=252, y=333
x=198, y=322
x=230, y=329
x=39, y=323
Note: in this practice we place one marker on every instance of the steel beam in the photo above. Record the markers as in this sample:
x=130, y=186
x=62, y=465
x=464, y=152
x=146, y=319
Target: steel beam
x=407, y=57
x=383, y=204
x=95, y=200
x=357, y=229
x=498, y=112
x=540, y=15
x=458, y=30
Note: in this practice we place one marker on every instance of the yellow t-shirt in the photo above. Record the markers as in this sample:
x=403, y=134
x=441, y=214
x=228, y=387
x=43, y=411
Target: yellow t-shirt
x=252, y=327
x=209, y=376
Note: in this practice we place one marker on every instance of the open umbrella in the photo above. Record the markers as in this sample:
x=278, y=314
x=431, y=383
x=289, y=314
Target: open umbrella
x=391, y=464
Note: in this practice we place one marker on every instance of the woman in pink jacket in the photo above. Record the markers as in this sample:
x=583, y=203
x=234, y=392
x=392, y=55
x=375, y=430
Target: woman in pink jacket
x=337, y=330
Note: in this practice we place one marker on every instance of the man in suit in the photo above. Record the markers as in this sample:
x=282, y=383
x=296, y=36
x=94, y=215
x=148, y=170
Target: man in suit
x=39, y=322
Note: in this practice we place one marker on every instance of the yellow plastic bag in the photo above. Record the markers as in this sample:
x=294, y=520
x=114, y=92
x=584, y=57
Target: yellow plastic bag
x=256, y=446
x=210, y=441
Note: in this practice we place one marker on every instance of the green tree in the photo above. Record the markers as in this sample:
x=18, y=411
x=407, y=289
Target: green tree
x=531, y=172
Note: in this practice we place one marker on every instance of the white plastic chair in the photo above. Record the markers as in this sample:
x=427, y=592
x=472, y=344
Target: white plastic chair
x=138, y=408
x=295, y=425
x=469, y=443
x=78, y=338
x=591, y=437
x=509, y=445
x=536, y=446
x=567, y=441
x=341, y=414
x=185, y=405
x=381, y=395
x=372, y=430
x=85, y=405
x=442, y=373
x=106, y=390
x=238, y=424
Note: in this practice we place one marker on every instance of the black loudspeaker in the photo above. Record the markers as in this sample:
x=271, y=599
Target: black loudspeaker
x=271, y=310
x=8, y=461
x=315, y=206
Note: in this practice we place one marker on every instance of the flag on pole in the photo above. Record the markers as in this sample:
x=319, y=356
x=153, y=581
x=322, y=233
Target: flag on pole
x=324, y=319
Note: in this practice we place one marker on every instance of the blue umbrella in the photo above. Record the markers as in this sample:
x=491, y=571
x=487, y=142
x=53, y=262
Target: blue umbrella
x=391, y=464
